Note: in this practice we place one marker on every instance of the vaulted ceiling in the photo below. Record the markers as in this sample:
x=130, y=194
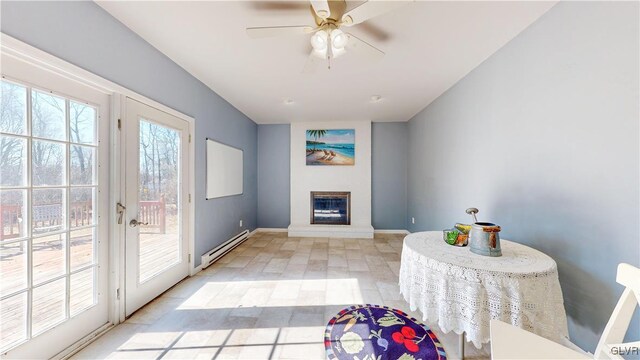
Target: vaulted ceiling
x=428, y=47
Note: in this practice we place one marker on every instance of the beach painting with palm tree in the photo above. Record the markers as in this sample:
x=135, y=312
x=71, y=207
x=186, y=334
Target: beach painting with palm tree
x=331, y=147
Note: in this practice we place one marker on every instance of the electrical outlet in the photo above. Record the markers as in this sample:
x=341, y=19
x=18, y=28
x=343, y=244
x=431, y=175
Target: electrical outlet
x=413, y=220
x=240, y=223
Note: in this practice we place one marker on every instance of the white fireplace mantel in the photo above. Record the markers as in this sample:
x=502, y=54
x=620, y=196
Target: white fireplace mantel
x=355, y=179
x=341, y=231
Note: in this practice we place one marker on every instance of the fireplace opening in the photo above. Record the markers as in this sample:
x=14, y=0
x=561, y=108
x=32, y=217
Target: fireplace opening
x=330, y=208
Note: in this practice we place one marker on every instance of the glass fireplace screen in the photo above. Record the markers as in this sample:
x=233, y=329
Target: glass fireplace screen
x=330, y=208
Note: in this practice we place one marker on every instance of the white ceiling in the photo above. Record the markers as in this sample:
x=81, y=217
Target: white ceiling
x=429, y=46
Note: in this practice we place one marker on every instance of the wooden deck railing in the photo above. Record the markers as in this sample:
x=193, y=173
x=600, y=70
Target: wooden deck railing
x=50, y=216
x=154, y=213
x=81, y=213
x=10, y=221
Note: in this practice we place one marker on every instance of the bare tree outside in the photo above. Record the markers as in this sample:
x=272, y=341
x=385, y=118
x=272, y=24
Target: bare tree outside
x=159, y=185
x=49, y=154
x=12, y=121
x=13, y=118
x=158, y=162
x=61, y=143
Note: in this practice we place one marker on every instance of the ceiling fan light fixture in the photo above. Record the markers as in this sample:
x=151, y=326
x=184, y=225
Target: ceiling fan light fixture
x=338, y=38
x=321, y=54
x=337, y=51
x=319, y=40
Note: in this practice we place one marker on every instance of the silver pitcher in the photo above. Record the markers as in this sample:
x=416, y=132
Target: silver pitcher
x=484, y=237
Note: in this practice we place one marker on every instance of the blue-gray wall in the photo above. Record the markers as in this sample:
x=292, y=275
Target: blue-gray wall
x=87, y=36
x=389, y=150
x=543, y=138
x=274, y=144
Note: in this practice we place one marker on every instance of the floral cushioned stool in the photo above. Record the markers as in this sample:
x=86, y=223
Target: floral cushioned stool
x=372, y=332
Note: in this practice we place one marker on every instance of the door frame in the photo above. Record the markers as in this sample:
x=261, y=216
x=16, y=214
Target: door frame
x=136, y=113
x=34, y=56
x=118, y=195
x=95, y=316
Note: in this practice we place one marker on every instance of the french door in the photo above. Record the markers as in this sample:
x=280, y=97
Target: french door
x=156, y=191
x=54, y=161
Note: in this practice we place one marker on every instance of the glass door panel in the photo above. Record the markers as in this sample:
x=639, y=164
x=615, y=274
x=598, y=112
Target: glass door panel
x=158, y=205
x=156, y=247
x=48, y=187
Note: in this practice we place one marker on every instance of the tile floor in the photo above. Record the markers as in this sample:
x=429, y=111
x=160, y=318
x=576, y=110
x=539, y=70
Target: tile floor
x=270, y=298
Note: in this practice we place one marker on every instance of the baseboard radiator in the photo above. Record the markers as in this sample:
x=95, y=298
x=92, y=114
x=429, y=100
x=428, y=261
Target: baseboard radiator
x=212, y=256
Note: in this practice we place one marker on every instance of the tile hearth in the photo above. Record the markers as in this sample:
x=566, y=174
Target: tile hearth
x=270, y=298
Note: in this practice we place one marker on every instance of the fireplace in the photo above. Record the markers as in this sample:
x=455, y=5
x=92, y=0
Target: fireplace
x=330, y=208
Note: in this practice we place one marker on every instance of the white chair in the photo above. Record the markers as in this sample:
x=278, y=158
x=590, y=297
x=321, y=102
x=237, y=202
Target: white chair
x=613, y=334
x=510, y=342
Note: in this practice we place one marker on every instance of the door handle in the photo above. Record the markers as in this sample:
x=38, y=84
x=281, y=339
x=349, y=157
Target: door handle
x=120, y=210
x=134, y=222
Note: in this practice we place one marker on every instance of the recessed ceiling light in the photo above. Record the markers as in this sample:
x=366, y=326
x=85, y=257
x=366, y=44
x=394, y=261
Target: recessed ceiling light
x=376, y=98
x=288, y=101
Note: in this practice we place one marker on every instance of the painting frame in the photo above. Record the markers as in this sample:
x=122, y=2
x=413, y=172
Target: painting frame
x=330, y=147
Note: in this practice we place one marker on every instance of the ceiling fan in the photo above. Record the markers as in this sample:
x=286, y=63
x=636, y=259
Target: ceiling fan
x=328, y=40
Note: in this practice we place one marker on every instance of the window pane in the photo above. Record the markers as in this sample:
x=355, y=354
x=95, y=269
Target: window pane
x=48, y=116
x=48, y=305
x=81, y=206
x=48, y=212
x=48, y=163
x=13, y=109
x=38, y=260
x=159, y=240
x=82, y=293
x=13, y=267
x=82, y=165
x=48, y=257
x=82, y=248
x=12, y=214
x=13, y=159
x=82, y=123
x=13, y=320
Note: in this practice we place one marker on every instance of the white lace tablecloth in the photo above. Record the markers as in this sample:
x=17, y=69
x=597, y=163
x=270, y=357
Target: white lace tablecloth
x=462, y=291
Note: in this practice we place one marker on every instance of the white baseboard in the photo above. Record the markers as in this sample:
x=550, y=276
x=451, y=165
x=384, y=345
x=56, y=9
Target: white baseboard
x=377, y=231
x=339, y=231
x=268, y=230
x=397, y=231
x=198, y=268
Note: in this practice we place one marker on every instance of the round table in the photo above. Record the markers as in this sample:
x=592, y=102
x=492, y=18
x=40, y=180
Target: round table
x=461, y=291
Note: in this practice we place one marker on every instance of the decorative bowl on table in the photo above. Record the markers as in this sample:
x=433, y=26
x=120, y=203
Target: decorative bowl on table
x=458, y=235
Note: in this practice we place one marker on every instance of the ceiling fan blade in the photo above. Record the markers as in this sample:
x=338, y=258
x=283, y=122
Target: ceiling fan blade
x=271, y=31
x=313, y=63
x=370, y=9
x=321, y=7
x=362, y=48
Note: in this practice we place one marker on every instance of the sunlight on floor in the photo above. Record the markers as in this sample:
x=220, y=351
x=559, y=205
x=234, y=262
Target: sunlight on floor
x=270, y=298
x=244, y=343
x=246, y=294
x=244, y=299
